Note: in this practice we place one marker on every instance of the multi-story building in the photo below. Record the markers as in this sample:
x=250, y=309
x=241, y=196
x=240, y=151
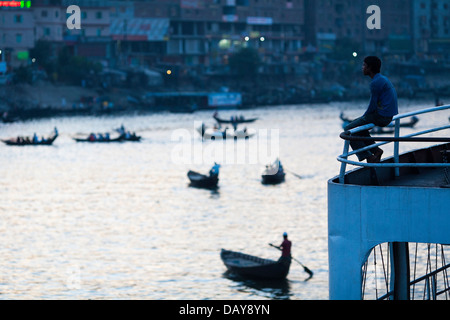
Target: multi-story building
x=206, y=32
x=139, y=31
x=331, y=20
x=431, y=25
x=16, y=32
x=23, y=23
x=93, y=38
x=394, y=37
x=49, y=21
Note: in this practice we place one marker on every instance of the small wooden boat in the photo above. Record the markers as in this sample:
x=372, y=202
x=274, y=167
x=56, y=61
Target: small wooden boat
x=273, y=174
x=199, y=180
x=132, y=138
x=410, y=124
x=254, y=267
x=6, y=118
x=384, y=130
x=226, y=134
x=277, y=178
x=30, y=142
x=127, y=135
x=27, y=142
x=92, y=139
x=234, y=120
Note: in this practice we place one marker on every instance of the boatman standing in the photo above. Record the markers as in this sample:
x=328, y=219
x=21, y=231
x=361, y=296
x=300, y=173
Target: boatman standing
x=285, y=248
x=383, y=106
x=214, y=170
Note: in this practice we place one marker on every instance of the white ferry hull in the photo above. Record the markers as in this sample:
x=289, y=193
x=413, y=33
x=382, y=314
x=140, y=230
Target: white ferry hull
x=360, y=217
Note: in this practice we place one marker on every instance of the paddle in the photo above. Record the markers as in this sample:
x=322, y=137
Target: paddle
x=304, y=267
x=293, y=173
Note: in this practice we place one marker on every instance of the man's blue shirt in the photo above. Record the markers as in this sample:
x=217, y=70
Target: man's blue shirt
x=383, y=97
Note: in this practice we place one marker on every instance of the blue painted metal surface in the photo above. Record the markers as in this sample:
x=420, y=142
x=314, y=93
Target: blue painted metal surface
x=361, y=216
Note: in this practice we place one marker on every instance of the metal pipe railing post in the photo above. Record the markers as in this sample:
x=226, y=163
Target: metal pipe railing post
x=343, y=163
x=397, y=147
x=397, y=139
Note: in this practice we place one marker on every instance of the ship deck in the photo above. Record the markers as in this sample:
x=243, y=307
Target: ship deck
x=425, y=177
x=403, y=199
x=428, y=178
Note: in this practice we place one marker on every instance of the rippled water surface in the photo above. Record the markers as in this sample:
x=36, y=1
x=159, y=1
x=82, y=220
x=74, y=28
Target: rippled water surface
x=119, y=221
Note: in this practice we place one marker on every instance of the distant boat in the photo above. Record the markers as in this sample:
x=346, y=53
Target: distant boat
x=410, y=124
x=218, y=134
x=382, y=130
x=254, y=267
x=234, y=120
x=132, y=137
x=199, y=180
x=127, y=135
x=273, y=174
x=6, y=118
x=92, y=138
x=20, y=141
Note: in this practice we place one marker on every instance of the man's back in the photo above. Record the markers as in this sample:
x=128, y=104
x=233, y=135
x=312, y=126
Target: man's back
x=286, y=248
x=384, y=96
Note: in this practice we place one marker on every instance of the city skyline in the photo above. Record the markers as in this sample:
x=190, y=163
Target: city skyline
x=205, y=32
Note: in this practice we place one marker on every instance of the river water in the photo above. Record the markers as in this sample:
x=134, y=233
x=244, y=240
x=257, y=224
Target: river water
x=119, y=221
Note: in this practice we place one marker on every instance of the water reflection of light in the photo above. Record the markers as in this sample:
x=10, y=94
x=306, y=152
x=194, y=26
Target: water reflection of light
x=122, y=218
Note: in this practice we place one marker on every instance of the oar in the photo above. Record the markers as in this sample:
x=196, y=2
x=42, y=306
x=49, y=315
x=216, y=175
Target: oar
x=304, y=267
x=293, y=173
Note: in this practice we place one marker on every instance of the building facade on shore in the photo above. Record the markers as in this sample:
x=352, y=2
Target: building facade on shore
x=328, y=22
x=17, y=35
x=204, y=33
x=431, y=26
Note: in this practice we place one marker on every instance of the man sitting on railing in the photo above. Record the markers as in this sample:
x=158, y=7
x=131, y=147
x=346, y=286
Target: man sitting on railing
x=383, y=106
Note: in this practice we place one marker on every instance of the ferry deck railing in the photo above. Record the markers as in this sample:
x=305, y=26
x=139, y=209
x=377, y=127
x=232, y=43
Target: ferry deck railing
x=396, y=139
x=431, y=291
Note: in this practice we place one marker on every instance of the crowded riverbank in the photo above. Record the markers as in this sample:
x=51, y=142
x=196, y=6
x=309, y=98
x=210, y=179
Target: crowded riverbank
x=24, y=101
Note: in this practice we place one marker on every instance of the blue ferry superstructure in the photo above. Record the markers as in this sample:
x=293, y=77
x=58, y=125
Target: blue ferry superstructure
x=404, y=199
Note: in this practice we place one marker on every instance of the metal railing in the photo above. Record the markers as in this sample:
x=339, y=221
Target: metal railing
x=396, y=139
x=431, y=291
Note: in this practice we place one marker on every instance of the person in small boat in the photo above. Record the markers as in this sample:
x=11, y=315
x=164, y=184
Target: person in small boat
x=214, y=170
x=203, y=129
x=278, y=164
x=285, y=248
x=224, y=133
x=383, y=106
x=91, y=137
x=35, y=138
